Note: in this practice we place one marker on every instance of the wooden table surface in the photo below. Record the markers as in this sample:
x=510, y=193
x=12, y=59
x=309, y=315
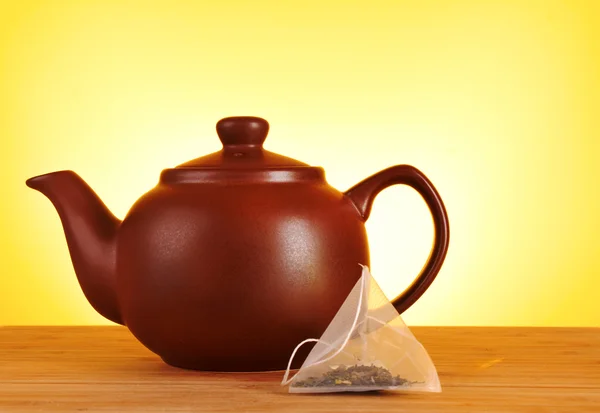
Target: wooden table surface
x=482, y=369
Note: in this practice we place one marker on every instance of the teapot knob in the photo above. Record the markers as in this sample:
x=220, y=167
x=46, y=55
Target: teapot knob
x=242, y=130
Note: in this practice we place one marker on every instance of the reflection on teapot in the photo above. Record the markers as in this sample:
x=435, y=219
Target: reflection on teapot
x=234, y=257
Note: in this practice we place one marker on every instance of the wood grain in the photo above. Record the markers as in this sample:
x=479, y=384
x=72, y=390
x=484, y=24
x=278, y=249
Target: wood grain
x=104, y=369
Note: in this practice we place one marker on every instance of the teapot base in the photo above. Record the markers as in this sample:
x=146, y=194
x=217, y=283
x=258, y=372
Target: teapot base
x=210, y=366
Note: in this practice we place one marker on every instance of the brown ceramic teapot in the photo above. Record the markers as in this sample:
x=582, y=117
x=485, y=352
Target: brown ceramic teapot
x=233, y=258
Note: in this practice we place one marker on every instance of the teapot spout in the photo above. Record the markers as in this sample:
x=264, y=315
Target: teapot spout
x=91, y=233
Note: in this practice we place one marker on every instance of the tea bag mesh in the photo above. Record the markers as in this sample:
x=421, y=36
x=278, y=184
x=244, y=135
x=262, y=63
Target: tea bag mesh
x=367, y=346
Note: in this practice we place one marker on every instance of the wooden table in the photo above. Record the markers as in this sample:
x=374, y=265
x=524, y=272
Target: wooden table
x=104, y=369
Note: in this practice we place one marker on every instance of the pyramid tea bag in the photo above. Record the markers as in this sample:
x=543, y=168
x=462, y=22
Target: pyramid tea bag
x=366, y=347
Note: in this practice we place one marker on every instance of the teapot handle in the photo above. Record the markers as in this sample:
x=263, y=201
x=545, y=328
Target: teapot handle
x=363, y=194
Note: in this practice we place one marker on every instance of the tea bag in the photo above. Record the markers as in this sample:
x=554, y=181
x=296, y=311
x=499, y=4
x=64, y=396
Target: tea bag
x=366, y=347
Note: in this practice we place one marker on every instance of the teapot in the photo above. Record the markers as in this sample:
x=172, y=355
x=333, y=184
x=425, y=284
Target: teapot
x=235, y=257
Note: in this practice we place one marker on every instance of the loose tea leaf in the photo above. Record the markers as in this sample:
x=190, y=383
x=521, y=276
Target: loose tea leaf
x=359, y=375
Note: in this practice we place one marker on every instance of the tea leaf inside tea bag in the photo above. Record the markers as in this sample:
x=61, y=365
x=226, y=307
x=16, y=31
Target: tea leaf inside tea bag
x=357, y=375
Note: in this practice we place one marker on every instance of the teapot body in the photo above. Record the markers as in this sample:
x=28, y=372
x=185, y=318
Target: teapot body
x=235, y=257
x=231, y=276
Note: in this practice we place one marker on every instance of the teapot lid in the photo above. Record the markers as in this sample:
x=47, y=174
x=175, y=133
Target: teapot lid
x=242, y=138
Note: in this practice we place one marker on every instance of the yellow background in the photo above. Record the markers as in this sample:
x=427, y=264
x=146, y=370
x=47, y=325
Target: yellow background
x=498, y=102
